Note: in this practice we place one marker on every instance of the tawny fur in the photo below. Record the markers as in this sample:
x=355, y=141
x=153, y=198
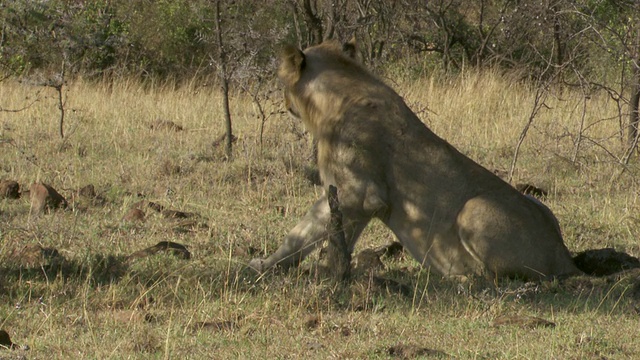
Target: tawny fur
x=452, y=215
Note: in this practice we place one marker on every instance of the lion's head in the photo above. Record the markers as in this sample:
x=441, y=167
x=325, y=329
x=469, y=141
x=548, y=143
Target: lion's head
x=303, y=75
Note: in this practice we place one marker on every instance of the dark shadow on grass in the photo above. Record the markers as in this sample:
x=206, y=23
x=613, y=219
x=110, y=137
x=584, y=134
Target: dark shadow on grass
x=99, y=269
x=34, y=264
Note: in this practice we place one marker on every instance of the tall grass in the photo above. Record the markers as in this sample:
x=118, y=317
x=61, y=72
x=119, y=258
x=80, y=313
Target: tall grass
x=95, y=305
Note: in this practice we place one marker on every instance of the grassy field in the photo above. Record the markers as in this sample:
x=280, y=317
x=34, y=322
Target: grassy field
x=91, y=301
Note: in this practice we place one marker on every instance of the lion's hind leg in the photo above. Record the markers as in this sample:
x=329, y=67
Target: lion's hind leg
x=499, y=240
x=513, y=237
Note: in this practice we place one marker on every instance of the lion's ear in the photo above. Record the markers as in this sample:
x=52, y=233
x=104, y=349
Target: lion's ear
x=292, y=62
x=351, y=48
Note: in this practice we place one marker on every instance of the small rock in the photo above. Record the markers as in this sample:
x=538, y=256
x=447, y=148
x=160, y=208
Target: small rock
x=9, y=189
x=5, y=340
x=87, y=195
x=44, y=197
x=88, y=191
x=134, y=215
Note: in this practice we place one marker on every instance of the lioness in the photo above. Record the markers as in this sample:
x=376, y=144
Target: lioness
x=452, y=215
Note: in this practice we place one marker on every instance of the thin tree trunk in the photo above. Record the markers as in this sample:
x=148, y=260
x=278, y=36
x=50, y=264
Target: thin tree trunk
x=296, y=23
x=557, y=36
x=314, y=23
x=634, y=101
x=338, y=255
x=224, y=78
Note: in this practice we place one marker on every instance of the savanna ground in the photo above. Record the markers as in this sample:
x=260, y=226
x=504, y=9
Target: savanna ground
x=91, y=302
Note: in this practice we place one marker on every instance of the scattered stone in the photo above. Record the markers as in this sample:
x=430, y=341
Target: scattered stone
x=404, y=351
x=529, y=189
x=9, y=189
x=524, y=322
x=603, y=262
x=5, y=340
x=88, y=191
x=176, y=249
x=134, y=215
x=44, y=197
x=160, y=125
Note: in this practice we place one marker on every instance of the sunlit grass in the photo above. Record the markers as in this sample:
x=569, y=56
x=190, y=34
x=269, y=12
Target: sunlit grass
x=94, y=304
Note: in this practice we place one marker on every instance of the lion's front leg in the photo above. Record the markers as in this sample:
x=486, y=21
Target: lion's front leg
x=310, y=232
x=301, y=240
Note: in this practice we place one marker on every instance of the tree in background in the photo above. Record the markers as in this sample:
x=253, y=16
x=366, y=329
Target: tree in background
x=590, y=44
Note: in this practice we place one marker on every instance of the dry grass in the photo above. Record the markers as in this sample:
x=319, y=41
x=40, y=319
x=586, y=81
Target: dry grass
x=91, y=303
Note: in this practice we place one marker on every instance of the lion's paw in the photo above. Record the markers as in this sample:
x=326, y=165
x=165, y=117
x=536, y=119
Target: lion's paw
x=256, y=264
